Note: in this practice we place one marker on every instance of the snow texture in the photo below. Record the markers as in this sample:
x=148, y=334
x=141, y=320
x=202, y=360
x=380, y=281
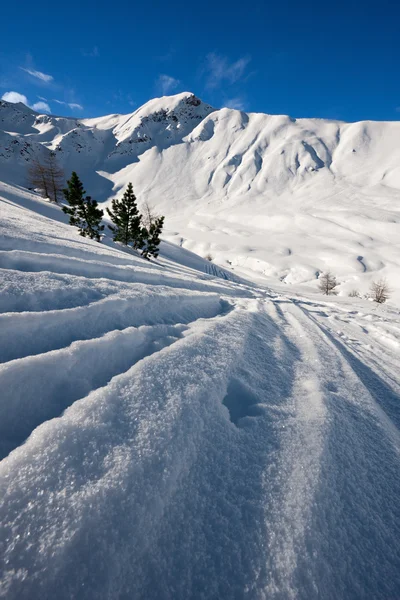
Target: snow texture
x=171, y=430
x=285, y=198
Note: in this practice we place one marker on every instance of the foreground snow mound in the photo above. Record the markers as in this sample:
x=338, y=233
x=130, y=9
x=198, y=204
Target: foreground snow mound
x=167, y=432
x=280, y=197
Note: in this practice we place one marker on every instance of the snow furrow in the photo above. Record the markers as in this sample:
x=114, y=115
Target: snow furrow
x=38, y=292
x=152, y=419
x=54, y=263
x=172, y=436
x=41, y=387
x=337, y=499
x=299, y=464
x=24, y=334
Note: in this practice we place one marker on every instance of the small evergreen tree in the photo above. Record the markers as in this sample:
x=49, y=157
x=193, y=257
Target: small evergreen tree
x=74, y=195
x=93, y=216
x=151, y=238
x=327, y=283
x=126, y=218
x=83, y=212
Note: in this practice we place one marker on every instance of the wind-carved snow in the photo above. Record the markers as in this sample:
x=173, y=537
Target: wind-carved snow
x=171, y=430
x=327, y=190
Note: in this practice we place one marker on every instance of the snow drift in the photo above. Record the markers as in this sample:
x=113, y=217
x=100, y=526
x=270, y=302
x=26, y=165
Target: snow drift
x=170, y=429
x=284, y=198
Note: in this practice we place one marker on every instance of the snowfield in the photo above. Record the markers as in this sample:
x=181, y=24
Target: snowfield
x=281, y=198
x=169, y=430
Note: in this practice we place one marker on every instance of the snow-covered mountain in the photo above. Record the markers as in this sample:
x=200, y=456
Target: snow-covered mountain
x=284, y=198
x=168, y=429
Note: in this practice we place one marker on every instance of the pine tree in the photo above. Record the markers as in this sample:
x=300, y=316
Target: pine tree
x=126, y=218
x=82, y=211
x=93, y=216
x=74, y=195
x=151, y=238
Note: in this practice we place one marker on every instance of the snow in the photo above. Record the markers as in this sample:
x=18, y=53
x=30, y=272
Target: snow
x=173, y=430
x=284, y=198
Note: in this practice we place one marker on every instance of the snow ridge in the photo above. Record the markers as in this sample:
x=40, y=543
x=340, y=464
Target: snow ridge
x=283, y=198
x=169, y=430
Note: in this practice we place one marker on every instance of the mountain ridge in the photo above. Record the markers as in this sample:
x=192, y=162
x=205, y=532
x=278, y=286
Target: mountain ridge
x=282, y=197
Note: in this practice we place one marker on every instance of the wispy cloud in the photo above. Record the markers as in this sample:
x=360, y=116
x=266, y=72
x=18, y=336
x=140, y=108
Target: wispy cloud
x=92, y=53
x=71, y=105
x=38, y=75
x=397, y=109
x=167, y=84
x=220, y=70
x=15, y=97
x=236, y=103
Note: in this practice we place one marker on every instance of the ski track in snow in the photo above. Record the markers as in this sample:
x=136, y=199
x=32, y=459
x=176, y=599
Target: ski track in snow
x=169, y=432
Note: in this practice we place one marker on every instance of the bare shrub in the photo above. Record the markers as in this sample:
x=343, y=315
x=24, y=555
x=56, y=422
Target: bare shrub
x=44, y=174
x=354, y=294
x=149, y=215
x=327, y=283
x=209, y=257
x=380, y=291
x=55, y=176
x=38, y=177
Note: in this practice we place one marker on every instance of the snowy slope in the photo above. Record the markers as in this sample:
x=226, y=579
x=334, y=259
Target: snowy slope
x=171, y=433
x=282, y=198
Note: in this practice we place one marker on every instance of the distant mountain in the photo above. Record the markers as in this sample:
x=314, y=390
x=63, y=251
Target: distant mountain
x=283, y=197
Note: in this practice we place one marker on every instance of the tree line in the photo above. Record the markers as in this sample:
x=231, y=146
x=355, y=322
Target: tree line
x=130, y=227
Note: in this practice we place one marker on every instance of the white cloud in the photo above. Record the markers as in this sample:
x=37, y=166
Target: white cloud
x=15, y=97
x=167, y=83
x=38, y=75
x=41, y=107
x=71, y=105
x=220, y=70
x=236, y=103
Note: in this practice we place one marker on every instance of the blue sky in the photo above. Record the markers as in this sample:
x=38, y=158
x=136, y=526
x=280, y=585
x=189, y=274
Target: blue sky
x=314, y=59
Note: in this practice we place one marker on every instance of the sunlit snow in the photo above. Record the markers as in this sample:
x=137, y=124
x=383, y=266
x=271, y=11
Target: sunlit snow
x=179, y=428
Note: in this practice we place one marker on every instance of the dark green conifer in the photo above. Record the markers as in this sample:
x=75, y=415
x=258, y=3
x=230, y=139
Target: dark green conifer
x=151, y=238
x=125, y=215
x=83, y=211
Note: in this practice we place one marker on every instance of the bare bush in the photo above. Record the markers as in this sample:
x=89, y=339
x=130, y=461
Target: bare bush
x=38, y=177
x=55, y=176
x=45, y=175
x=354, y=294
x=327, y=283
x=379, y=291
x=209, y=257
x=149, y=215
